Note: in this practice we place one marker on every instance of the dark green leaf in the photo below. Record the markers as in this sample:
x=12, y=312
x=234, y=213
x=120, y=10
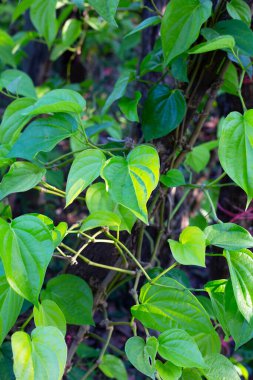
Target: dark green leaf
x=119, y=89
x=239, y=10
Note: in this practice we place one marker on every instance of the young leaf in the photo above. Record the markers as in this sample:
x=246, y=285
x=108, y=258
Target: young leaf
x=175, y=345
x=106, y=9
x=119, y=89
x=219, y=367
x=131, y=181
x=221, y=42
x=42, y=135
x=43, y=17
x=190, y=250
x=84, y=170
x=49, y=314
x=73, y=296
x=10, y=307
x=200, y=155
x=41, y=357
x=57, y=101
x=240, y=267
x=18, y=83
x=101, y=219
x=113, y=367
x=98, y=199
x=181, y=24
x=151, y=21
x=138, y=356
x=173, y=178
x=239, y=10
x=21, y=177
x=236, y=151
x=26, y=249
x=228, y=236
x=168, y=371
x=163, y=111
x=173, y=306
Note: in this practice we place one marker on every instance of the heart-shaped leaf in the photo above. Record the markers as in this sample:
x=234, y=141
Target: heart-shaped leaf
x=49, y=314
x=101, y=219
x=131, y=181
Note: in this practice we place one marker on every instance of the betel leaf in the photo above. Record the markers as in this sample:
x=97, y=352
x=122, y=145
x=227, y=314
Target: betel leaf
x=240, y=267
x=129, y=106
x=168, y=371
x=236, y=151
x=6, y=362
x=73, y=296
x=175, y=345
x=57, y=232
x=231, y=81
x=218, y=43
x=228, y=236
x=191, y=374
x=239, y=10
x=151, y=21
x=179, y=68
x=17, y=82
x=242, y=34
x=21, y=177
x=10, y=307
x=84, y=170
x=42, y=135
x=57, y=101
x=173, y=178
x=131, y=180
x=48, y=313
x=239, y=328
x=101, y=219
x=13, y=121
x=139, y=357
x=70, y=32
x=98, y=199
x=26, y=249
x=106, y=9
x=190, y=250
x=6, y=49
x=20, y=8
x=219, y=367
x=181, y=24
x=163, y=111
x=43, y=17
x=170, y=305
x=200, y=155
x=43, y=355
x=113, y=367
x=118, y=90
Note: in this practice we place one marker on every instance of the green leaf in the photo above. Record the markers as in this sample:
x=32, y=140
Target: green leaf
x=13, y=121
x=218, y=43
x=173, y=178
x=21, y=177
x=190, y=250
x=41, y=357
x=10, y=307
x=239, y=10
x=163, y=111
x=231, y=82
x=228, y=236
x=20, y=8
x=170, y=305
x=219, y=367
x=98, y=199
x=179, y=68
x=191, y=374
x=6, y=49
x=58, y=232
x=6, y=362
x=70, y=32
x=150, y=21
x=129, y=107
x=17, y=83
x=239, y=328
x=240, y=267
x=26, y=251
x=139, y=357
x=49, y=314
x=57, y=101
x=84, y=170
x=168, y=371
x=236, y=151
x=113, y=367
x=181, y=24
x=101, y=219
x=175, y=345
x=106, y=9
x=200, y=155
x=73, y=296
x=118, y=90
x=42, y=135
x=131, y=181
x=242, y=34
x=43, y=17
